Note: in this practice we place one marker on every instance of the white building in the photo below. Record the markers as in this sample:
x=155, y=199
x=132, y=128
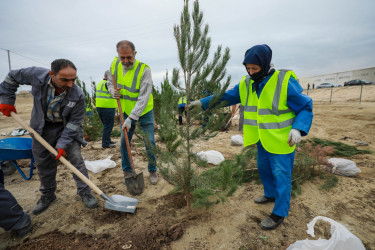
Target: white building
x=339, y=78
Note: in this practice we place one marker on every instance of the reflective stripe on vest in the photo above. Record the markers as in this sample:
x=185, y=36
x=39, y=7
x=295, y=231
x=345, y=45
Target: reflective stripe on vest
x=268, y=119
x=129, y=85
x=103, y=98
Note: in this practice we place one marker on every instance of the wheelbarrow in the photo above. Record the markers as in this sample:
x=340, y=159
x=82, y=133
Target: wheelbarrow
x=12, y=149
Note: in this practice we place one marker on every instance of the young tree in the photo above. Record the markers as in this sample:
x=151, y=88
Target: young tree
x=196, y=77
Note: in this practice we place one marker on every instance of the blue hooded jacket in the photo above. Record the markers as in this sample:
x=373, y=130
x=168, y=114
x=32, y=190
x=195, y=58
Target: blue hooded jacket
x=260, y=55
x=301, y=104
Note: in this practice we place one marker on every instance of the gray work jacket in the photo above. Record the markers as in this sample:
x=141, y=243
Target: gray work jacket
x=72, y=109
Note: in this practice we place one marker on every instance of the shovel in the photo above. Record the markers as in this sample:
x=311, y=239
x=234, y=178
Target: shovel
x=115, y=202
x=226, y=126
x=135, y=183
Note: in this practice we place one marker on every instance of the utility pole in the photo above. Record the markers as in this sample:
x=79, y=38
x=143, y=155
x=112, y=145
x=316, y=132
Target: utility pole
x=9, y=60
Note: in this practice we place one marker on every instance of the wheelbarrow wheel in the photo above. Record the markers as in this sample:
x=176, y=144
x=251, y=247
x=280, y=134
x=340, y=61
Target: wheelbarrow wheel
x=8, y=167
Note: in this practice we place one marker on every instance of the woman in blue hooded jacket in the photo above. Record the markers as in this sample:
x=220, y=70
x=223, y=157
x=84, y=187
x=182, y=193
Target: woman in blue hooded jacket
x=276, y=115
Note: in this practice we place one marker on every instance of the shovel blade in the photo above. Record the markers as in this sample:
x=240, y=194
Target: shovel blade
x=135, y=184
x=121, y=203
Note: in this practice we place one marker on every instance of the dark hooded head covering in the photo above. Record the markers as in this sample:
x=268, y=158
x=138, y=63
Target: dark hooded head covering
x=260, y=55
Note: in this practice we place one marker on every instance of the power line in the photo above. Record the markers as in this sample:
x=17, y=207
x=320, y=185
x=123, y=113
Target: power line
x=25, y=57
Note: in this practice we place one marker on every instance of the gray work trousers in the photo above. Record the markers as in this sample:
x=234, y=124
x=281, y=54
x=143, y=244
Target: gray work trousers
x=47, y=165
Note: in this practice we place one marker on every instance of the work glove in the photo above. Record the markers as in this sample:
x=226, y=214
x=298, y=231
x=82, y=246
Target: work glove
x=294, y=137
x=7, y=108
x=127, y=124
x=115, y=93
x=194, y=104
x=61, y=152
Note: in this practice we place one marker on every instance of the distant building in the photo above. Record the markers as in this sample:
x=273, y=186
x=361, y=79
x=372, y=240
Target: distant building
x=340, y=77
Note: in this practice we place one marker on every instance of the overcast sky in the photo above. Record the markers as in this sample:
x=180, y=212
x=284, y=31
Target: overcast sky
x=310, y=37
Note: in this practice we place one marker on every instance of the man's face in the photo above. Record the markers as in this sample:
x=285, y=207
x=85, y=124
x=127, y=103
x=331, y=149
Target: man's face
x=252, y=68
x=64, y=79
x=127, y=57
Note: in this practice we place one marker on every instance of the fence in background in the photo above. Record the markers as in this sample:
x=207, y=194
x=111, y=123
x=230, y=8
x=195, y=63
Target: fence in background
x=362, y=93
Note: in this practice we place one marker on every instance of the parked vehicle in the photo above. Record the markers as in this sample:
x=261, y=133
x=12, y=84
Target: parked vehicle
x=357, y=82
x=328, y=85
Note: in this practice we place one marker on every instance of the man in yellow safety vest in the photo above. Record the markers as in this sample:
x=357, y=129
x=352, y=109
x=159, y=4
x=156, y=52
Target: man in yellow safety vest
x=134, y=87
x=106, y=106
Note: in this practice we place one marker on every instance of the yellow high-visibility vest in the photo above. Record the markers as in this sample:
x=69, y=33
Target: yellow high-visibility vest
x=182, y=100
x=268, y=119
x=129, y=85
x=103, y=98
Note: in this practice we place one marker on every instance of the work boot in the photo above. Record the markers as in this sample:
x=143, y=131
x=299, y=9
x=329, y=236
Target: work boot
x=263, y=200
x=153, y=178
x=271, y=222
x=89, y=200
x=43, y=203
x=23, y=225
x=23, y=231
x=110, y=146
x=127, y=175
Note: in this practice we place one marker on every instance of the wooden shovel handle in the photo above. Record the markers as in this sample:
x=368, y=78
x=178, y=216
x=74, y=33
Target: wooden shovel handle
x=124, y=130
x=37, y=137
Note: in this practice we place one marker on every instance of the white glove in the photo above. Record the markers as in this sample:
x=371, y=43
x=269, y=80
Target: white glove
x=194, y=104
x=114, y=93
x=294, y=137
x=127, y=124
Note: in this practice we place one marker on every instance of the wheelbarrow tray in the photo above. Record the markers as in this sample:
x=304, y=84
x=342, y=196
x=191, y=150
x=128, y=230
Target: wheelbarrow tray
x=12, y=149
x=15, y=149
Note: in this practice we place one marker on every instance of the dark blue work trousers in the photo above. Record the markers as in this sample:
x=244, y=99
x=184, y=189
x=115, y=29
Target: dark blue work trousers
x=12, y=216
x=107, y=115
x=146, y=123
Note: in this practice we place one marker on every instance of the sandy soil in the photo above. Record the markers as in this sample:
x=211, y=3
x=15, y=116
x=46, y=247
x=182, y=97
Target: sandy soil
x=161, y=220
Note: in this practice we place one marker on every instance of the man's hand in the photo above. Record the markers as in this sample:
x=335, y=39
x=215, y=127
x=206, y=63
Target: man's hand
x=7, y=108
x=194, y=104
x=294, y=137
x=61, y=152
x=114, y=93
x=127, y=124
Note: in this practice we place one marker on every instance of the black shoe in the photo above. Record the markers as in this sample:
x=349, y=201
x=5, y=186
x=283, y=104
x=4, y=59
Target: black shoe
x=112, y=142
x=110, y=146
x=23, y=225
x=43, y=203
x=89, y=200
x=269, y=224
x=22, y=232
x=263, y=200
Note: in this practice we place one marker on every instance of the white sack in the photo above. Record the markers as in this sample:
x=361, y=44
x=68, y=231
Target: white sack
x=236, y=140
x=344, y=167
x=211, y=156
x=100, y=165
x=341, y=238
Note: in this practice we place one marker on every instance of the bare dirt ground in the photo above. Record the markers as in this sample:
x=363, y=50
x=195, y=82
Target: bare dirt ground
x=161, y=220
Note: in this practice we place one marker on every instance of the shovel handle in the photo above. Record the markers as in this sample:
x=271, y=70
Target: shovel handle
x=226, y=125
x=62, y=159
x=124, y=130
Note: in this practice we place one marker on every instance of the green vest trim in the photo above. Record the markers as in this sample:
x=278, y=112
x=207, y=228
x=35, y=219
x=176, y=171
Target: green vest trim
x=129, y=85
x=103, y=98
x=268, y=119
